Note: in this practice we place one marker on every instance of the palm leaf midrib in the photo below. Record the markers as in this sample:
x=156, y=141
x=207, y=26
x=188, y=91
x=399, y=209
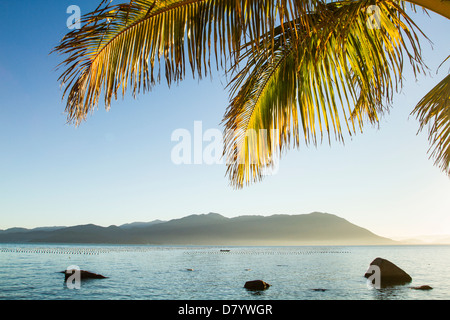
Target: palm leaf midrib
x=148, y=16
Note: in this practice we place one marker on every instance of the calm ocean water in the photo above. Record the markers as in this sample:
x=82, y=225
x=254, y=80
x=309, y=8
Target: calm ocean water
x=206, y=273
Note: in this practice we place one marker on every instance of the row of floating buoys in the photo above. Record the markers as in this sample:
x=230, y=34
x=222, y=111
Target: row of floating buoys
x=75, y=251
x=50, y=251
x=266, y=252
x=97, y=251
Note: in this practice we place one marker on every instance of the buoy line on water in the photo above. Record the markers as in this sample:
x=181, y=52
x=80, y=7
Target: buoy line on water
x=268, y=252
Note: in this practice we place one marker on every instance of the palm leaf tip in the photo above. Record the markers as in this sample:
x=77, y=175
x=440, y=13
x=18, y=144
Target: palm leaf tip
x=433, y=110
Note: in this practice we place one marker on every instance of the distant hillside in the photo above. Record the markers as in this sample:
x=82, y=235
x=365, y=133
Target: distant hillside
x=140, y=224
x=211, y=229
x=426, y=239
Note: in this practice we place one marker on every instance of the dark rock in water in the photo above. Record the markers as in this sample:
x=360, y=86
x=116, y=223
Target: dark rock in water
x=390, y=274
x=256, y=285
x=424, y=287
x=84, y=275
x=319, y=290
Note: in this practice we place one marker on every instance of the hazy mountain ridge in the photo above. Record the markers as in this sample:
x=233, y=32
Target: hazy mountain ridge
x=426, y=239
x=140, y=224
x=211, y=229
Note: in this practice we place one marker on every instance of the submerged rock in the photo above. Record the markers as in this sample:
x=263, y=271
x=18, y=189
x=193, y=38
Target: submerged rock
x=256, y=285
x=390, y=274
x=424, y=287
x=84, y=275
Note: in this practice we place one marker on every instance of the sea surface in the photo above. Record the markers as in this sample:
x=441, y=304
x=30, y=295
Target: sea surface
x=31, y=272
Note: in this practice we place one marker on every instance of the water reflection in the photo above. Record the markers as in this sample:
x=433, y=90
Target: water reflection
x=389, y=292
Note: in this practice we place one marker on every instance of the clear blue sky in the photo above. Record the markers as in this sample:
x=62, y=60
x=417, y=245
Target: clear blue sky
x=116, y=167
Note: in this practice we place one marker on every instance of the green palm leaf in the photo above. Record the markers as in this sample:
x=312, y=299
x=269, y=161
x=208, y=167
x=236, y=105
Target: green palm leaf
x=433, y=110
x=121, y=46
x=327, y=81
x=303, y=70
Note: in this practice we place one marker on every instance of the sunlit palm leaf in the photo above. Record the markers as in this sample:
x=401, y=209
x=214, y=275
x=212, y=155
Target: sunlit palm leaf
x=124, y=45
x=434, y=111
x=304, y=68
x=315, y=82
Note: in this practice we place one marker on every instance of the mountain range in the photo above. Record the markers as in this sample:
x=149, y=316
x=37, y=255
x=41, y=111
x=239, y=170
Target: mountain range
x=210, y=229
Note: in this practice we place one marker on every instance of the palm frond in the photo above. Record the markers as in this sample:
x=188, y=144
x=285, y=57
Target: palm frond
x=123, y=45
x=340, y=75
x=433, y=110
